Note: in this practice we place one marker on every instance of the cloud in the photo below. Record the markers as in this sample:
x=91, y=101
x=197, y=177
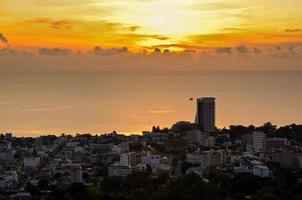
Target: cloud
x=189, y=51
x=181, y=61
x=174, y=45
x=48, y=109
x=257, y=50
x=134, y=28
x=242, y=49
x=227, y=50
x=55, y=24
x=5, y=103
x=159, y=37
x=13, y=52
x=166, y=51
x=54, y=52
x=3, y=38
x=157, y=51
x=231, y=29
x=160, y=111
x=109, y=52
x=291, y=49
x=293, y=30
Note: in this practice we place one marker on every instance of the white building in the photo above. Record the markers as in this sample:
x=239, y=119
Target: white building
x=194, y=158
x=261, y=170
x=31, y=162
x=124, y=146
x=79, y=150
x=207, y=158
x=259, y=141
x=128, y=159
x=152, y=160
x=121, y=147
x=119, y=170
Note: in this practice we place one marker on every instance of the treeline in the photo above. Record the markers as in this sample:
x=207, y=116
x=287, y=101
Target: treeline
x=286, y=185
x=292, y=131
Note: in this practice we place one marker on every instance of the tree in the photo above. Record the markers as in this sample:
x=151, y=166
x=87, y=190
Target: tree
x=43, y=184
x=77, y=191
x=94, y=193
x=268, y=128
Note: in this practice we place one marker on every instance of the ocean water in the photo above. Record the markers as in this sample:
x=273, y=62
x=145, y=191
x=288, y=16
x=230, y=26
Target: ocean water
x=33, y=103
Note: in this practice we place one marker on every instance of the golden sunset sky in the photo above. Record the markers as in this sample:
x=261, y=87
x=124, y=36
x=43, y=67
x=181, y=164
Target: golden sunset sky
x=265, y=30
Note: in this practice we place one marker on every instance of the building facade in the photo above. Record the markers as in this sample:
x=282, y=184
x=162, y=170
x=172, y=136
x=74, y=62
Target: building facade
x=259, y=141
x=205, y=114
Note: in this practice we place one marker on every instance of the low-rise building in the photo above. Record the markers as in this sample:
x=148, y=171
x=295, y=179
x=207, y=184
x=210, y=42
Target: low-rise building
x=119, y=170
x=275, y=143
x=152, y=160
x=194, y=158
x=128, y=159
x=261, y=170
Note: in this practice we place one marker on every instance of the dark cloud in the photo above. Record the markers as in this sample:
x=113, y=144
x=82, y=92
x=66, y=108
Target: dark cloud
x=189, y=51
x=227, y=50
x=54, y=52
x=291, y=49
x=293, y=30
x=134, y=28
x=157, y=50
x=278, y=48
x=166, y=51
x=3, y=38
x=13, y=52
x=257, y=50
x=55, y=24
x=108, y=52
x=231, y=29
x=242, y=49
x=159, y=37
x=174, y=45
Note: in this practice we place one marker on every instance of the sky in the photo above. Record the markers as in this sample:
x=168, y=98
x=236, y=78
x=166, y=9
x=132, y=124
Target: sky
x=150, y=35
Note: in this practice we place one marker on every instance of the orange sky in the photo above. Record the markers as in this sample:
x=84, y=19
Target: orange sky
x=41, y=28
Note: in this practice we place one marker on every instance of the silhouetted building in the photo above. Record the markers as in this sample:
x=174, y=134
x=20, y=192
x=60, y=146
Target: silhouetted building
x=183, y=126
x=205, y=115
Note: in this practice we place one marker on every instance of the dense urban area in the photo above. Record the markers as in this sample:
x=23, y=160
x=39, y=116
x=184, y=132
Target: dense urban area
x=187, y=161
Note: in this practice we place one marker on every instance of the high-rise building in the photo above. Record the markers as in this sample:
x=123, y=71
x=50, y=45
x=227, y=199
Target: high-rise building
x=205, y=115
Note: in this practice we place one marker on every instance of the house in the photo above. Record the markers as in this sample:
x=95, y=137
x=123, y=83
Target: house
x=261, y=170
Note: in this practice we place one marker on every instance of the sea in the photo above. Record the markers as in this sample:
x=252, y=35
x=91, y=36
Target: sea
x=56, y=102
